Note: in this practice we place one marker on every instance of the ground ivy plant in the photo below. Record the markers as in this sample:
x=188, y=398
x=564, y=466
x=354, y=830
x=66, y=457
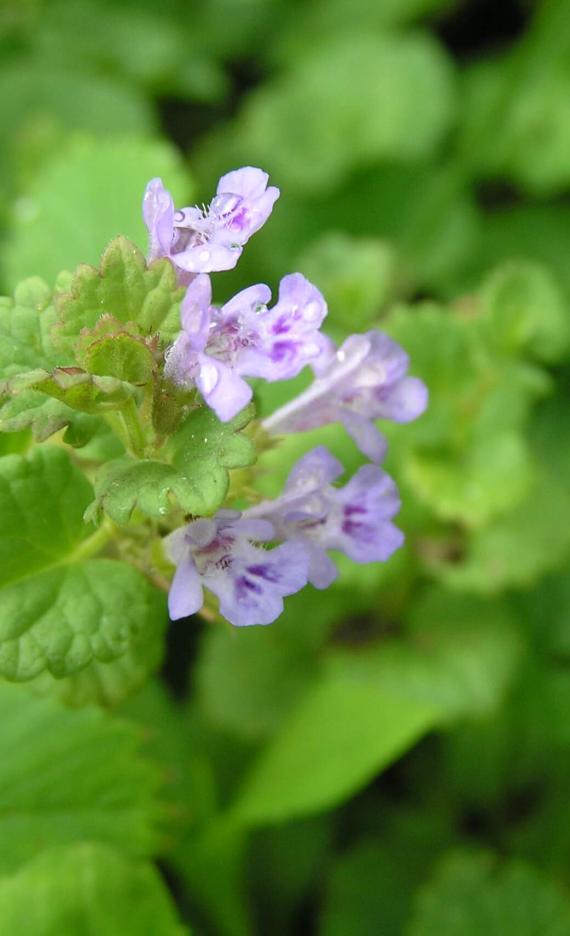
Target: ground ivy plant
x=132, y=471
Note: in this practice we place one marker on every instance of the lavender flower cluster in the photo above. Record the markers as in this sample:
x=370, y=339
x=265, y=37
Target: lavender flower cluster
x=363, y=380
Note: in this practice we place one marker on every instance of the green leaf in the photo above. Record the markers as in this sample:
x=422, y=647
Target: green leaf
x=87, y=888
x=341, y=735
x=42, y=414
x=527, y=311
x=88, y=194
x=110, y=682
x=126, y=289
x=67, y=776
x=117, y=354
x=295, y=127
x=25, y=325
x=59, y=609
x=460, y=657
x=248, y=680
x=523, y=136
x=519, y=547
x=205, y=450
x=472, y=894
x=202, y=452
x=74, y=387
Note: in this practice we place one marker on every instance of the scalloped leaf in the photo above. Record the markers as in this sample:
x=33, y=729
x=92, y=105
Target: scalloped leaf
x=125, y=287
x=79, y=390
x=59, y=609
x=202, y=453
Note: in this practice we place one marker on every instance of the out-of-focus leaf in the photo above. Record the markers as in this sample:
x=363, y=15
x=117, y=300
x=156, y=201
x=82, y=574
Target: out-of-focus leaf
x=534, y=537
x=343, y=732
x=527, y=311
x=460, y=656
x=313, y=124
x=89, y=193
x=69, y=777
x=466, y=457
x=516, y=114
x=471, y=894
x=87, y=888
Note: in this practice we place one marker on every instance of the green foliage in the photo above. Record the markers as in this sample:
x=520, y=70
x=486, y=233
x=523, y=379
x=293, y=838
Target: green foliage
x=67, y=777
x=311, y=775
x=59, y=609
x=284, y=124
x=338, y=738
x=87, y=888
x=84, y=197
x=471, y=895
x=197, y=479
x=124, y=289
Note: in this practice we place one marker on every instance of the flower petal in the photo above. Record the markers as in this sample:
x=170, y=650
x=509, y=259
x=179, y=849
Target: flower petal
x=252, y=588
x=158, y=214
x=186, y=596
x=367, y=436
x=223, y=390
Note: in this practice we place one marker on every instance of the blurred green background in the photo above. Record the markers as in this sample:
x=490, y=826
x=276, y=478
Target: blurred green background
x=392, y=756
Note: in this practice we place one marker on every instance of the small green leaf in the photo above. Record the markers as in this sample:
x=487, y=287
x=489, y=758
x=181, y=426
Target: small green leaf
x=471, y=894
x=67, y=776
x=87, y=888
x=151, y=486
x=119, y=355
x=197, y=479
x=59, y=609
x=205, y=449
x=146, y=297
x=74, y=387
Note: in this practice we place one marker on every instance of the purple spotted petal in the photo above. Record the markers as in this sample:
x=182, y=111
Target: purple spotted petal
x=252, y=590
x=354, y=519
x=367, y=503
x=203, y=240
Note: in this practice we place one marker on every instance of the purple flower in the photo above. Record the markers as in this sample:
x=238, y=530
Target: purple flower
x=220, y=554
x=314, y=515
x=202, y=240
x=217, y=348
x=365, y=379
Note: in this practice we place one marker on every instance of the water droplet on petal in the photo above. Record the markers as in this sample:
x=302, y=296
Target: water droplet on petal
x=204, y=255
x=341, y=355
